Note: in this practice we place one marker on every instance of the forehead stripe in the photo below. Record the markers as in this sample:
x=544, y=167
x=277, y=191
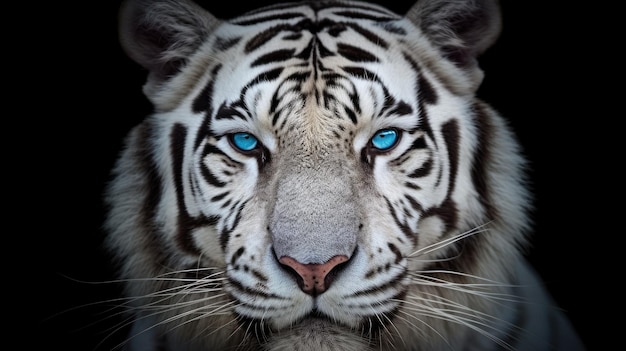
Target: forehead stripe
x=274, y=56
x=355, y=54
x=266, y=76
x=370, y=36
x=269, y=18
x=260, y=39
x=364, y=16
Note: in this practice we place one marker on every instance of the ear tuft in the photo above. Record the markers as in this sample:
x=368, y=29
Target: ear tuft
x=160, y=35
x=462, y=30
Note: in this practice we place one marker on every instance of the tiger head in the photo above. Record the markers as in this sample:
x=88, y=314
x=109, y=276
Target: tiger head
x=315, y=173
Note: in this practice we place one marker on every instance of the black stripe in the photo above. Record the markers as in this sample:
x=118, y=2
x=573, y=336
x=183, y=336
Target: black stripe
x=403, y=227
x=283, y=15
x=425, y=122
x=452, y=138
x=307, y=52
x=400, y=108
x=206, y=173
x=396, y=251
x=264, y=77
x=223, y=44
x=299, y=77
x=425, y=91
x=274, y=56
x=153, y=179
x=419, y=144
x=356, y=15
x=355, y=54
x=143, y=154
x=414, y=204
x=425, y=95
x=350, y=114
x=235, y=257
x=219, y=197
x=256, y=293
x=203, y=103
x=423, y=171
x=482, y=154
x=185, y=222
x=412, y=186
x=235, y=210
x=448, y=211
x=341, y=8
x=231, y=111
x=260, y=39
x=370, y=36
x=391, y=284
x=177, y=149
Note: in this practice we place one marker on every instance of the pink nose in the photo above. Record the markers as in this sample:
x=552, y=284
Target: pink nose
x=315, y=277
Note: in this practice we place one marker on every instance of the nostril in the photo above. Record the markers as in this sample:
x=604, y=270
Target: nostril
x=295, y=275
x=314, y=278
x=330, y=276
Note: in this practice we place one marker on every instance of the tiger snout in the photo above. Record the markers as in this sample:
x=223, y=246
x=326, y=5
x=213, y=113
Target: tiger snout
x=314, y=226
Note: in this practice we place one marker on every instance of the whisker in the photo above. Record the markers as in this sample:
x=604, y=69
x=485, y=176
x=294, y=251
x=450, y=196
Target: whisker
x=477, y=326
x=478, y=289
x=416, y=318
x=459, y=314
x=390, y=322
x=212, y=309
x=383, y=325
x=169, y=299
x=455, y=307
x=448, y=241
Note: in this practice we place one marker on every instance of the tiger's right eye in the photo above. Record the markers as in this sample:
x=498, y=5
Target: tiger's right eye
x=385, y=139
x=243, y=141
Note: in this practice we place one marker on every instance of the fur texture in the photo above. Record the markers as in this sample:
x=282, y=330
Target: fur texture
x=320, y=176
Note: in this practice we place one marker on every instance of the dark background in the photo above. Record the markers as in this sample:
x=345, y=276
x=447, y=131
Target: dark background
x=83, y=95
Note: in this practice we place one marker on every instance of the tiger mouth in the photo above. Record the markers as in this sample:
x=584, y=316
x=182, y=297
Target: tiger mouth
x=322, y=327
x=318, y=322
x=316, y=315
x=316, y=331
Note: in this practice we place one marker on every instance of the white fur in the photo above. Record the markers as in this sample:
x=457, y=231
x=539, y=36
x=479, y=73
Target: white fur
x=198, y=226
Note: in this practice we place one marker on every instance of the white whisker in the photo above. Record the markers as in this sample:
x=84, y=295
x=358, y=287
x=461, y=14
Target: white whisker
x=473, y=324
x=484, y=290
x=455, y=312
x=416, y=317
x=448, y=241
x=213, y=309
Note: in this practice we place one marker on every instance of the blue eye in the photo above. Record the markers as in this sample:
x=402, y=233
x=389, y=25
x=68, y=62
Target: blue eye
x=385, y=139
x=244, y=141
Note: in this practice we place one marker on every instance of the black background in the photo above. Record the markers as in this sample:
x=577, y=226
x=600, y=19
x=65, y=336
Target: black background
x=80, y=95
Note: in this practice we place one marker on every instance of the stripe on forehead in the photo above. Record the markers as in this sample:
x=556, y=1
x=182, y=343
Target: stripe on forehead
x=289, y=19
x=292, y=31
x=311, y=9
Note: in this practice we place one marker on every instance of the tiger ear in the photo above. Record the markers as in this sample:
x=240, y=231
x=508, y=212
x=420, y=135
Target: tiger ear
x=161, y=35
x=462, y=30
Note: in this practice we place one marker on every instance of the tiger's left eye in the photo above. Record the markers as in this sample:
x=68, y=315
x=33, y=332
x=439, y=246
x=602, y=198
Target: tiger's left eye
x=244, y=141
x=385, y=139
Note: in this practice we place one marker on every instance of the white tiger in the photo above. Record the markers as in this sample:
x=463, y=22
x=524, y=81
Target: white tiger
x=321, y=176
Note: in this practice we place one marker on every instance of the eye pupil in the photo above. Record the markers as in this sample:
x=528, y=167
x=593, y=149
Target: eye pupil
x=385, y=139
x=244, y=141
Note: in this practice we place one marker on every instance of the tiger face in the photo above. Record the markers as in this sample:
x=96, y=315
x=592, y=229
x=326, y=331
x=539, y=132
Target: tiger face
x=317, y=175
